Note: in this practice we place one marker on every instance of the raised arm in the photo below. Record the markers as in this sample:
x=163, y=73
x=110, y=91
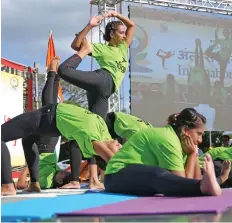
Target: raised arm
x=128, y=23
x=94, y=21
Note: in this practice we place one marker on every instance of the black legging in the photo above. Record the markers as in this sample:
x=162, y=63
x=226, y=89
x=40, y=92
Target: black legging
x=50, y=90
x=110, y=119
x=39, y=122
x=45, y=144
x=76, y=157
x=143, y=180
x=98, y=84
x=5, y=165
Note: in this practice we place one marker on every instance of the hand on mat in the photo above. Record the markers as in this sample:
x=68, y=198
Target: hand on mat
x=96, y=20
x=187, y=144
x=71, y=185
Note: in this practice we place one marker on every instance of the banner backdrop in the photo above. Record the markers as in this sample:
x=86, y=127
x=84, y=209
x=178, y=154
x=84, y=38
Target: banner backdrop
x=11, y=106
x=181, y=59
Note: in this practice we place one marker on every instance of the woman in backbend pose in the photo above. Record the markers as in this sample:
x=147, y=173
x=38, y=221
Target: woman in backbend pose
x=40, y=150
x=112, y=58
x=122, y=126
x=74, y=123
x=156, y=156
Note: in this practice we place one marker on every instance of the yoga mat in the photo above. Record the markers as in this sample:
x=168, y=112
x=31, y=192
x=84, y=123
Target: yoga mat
x=49, y=193
x=161, y=205
x=44, y=208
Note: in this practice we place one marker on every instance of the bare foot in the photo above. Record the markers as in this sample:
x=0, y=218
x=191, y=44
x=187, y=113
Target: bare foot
x=53, y=66
x=209, y=184
x=71, y=185
x=94, y=185
x=225, y=170
x=33, y=187
x=85, y=49
x=8, y=189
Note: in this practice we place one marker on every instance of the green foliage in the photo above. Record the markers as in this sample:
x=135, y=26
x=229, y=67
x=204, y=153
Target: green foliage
x=74, y=94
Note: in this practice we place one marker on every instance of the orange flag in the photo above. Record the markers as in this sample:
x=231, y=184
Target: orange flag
x=51, y=53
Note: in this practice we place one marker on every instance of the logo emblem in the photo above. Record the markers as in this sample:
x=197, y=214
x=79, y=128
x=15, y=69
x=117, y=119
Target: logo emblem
x=14, y=82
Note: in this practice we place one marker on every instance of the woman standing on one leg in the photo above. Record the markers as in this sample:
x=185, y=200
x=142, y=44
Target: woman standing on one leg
x=112, y=58
x=73, y=122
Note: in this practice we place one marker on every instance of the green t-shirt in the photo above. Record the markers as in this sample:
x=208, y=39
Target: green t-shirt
x=151, y=146
x=47, y=169
x=113, y=59
x=222, y=153
x=127, y=125
x=76, y=123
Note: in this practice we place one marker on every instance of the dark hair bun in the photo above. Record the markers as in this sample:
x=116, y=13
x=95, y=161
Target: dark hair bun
x=188, y=117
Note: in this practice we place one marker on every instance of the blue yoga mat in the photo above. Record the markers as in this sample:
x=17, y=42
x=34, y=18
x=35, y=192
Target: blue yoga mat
x=44, y=208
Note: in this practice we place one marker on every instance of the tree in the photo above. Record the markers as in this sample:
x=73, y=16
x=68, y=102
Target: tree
x=70, y=92
x=74, y=94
